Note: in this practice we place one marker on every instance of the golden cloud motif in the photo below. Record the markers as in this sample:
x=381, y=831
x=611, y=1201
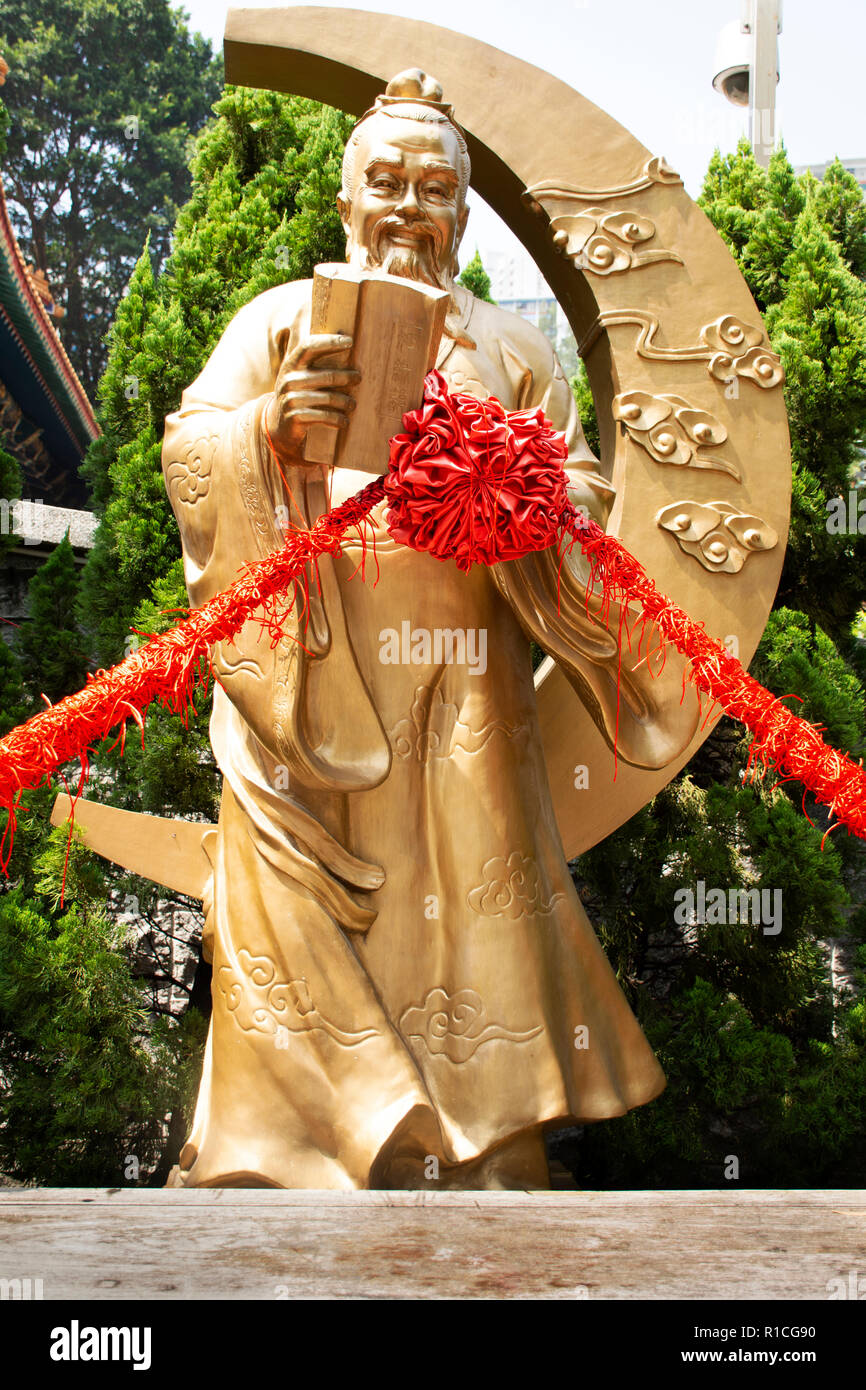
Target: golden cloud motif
x=719, y=535
x=189, y=479
x=511, y=888
x=262, y=1003
x=604, y=242
x=455, y=1026
x=673, y=431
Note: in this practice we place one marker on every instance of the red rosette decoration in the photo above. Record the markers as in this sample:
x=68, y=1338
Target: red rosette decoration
x=472, y=483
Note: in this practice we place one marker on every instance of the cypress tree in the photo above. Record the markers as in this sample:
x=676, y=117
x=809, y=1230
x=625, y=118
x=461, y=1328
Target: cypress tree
x=476, y=280
x=13, y=698
x=839, y=203
x=733, y=193
x=83, y=1087
x=771, y=238
x=49, y=643
x=819, y=330
x=10, y=491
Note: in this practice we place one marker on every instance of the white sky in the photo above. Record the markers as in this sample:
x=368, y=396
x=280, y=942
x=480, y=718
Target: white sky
x=649, y=63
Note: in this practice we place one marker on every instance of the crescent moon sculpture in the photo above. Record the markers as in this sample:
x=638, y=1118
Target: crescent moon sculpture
x=687, y=389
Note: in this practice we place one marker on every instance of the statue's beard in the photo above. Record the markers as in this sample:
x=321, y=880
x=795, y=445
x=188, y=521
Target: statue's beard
x=418, y=262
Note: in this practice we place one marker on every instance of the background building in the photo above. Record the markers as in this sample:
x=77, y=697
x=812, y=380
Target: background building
x=857, y=167
x=517, y=284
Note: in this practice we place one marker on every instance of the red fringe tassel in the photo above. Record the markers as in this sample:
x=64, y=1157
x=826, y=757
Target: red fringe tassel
x=783, y=742
x=169, y=668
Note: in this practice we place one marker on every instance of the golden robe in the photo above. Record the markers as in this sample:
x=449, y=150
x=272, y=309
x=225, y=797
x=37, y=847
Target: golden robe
x=401, y=963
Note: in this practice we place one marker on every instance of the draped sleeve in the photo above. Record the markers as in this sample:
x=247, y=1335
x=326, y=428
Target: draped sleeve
x=232, y=504
x=649, y=718
x=291, y=718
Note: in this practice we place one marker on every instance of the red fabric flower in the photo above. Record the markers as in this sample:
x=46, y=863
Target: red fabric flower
x=472, y=483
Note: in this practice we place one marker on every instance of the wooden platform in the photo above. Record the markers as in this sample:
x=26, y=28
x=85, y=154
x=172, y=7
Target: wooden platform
x=257, y=1244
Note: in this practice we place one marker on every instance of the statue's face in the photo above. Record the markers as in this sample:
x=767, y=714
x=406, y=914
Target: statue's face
x=406, y=214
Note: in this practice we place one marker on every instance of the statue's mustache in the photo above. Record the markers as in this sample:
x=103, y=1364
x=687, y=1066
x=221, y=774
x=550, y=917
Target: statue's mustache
x=423, y=230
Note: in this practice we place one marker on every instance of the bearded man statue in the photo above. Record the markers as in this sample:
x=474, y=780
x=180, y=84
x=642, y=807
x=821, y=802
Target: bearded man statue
x=406, y=989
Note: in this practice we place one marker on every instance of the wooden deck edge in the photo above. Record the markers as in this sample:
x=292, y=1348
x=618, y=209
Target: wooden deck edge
x=267, y=1197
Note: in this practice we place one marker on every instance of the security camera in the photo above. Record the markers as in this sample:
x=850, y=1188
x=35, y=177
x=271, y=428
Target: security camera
x=731, y=66
x=734, y=55
x=733, y=58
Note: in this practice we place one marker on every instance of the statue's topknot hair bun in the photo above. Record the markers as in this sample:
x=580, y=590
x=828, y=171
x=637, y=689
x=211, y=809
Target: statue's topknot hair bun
x=414, y=83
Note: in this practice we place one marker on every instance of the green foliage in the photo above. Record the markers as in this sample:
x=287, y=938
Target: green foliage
x=13, y=698
x=819, y=330
x=586, y=408
x=771, y=239
x=840, y=206
x=67, y=874
x=4, y=129
x=10, y=491
x=81, y=1089
x=125, y=385
x=734, y=1088
x=31, y=826
x=82, y=184
x=173, y=771
x=778, y=978
x=88, y=1076
x=135, y=543
x=796, y=656
x=475, y=279
x=802, y=247
x=49, y=643
x=730, y=837
x=732, y=195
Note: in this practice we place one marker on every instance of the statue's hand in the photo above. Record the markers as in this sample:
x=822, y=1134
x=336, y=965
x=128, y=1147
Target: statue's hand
x=310, y=392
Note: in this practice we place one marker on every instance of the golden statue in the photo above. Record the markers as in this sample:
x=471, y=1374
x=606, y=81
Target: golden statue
x=406, y=990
